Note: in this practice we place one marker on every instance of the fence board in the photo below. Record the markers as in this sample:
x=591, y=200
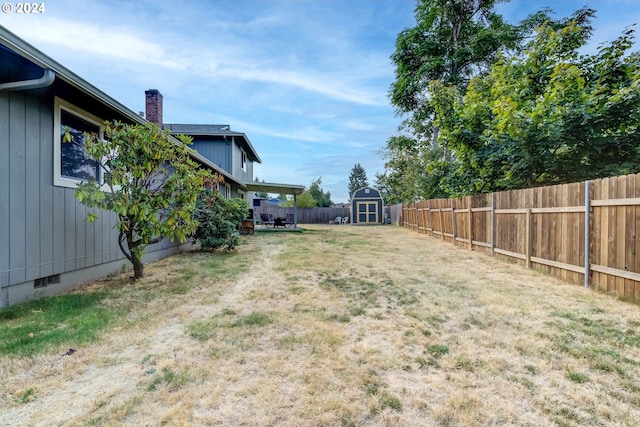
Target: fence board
x=612, y=217
x=629, y=235
x=636, y=246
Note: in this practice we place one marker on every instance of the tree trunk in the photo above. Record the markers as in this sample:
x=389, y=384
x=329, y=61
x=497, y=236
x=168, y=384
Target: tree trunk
x=138, y=267
x=134, y=257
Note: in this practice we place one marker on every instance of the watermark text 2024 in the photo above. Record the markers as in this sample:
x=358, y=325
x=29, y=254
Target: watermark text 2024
x=23, y=8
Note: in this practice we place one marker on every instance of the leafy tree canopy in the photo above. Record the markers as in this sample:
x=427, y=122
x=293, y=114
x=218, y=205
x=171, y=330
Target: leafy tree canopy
x=151, y=183
x=322, y=199
x=491, y=106
x=452, y=41
x=550, y=115
x=314, y=196
x=304, y=200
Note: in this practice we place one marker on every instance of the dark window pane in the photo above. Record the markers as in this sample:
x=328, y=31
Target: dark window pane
x=74, y=161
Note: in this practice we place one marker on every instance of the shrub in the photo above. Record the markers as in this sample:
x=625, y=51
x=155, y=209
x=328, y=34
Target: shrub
x=219, y=221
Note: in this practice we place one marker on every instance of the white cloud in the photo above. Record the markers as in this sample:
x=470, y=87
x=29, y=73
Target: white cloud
x=115, y=43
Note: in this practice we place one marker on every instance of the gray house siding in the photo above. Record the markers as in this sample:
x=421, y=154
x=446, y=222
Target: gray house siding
x=224, y=147
x=43, y=228
x=245, y=175
x=215, y=149
x=4, y=197
x=227, y=154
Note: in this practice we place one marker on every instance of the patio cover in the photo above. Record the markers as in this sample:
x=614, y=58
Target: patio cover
x=270, y=187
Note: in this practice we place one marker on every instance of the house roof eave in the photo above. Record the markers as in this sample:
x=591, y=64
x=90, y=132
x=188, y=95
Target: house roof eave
x=34, y=55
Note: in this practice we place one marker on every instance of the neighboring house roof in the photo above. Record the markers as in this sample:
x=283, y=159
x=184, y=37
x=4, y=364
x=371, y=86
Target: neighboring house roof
x=214, y=130
x=32, y=54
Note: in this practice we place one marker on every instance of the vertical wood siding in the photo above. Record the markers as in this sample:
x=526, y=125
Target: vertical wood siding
x=17, y=189
x=43, y=228
x=4, y=192
x=217, y=152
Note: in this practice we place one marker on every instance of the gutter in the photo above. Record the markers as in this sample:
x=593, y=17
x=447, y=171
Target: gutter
x=47, y=78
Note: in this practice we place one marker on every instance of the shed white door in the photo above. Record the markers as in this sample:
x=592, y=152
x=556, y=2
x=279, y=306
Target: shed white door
x=368, y=212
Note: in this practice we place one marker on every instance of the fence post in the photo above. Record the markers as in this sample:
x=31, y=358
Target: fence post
x=403, y=215
x=430, y=217
x=587, y=231
x=470, y=223
x=528, y=237
x=453, y=222
x=493, y=223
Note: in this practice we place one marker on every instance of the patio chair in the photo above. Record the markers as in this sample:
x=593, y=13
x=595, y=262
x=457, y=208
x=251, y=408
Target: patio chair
x=338, y=220
x=345, y=220
x=288, y=220
x=267, y=219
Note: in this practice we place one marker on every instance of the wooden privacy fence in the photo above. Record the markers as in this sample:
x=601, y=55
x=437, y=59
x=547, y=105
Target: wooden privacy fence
x=582, y=232
x=305, y=215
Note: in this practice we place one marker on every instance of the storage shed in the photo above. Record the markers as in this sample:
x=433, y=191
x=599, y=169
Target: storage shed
x=367, y=207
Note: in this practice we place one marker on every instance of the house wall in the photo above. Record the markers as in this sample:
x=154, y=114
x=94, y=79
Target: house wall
x=43, y=229
x=227, y=155
x=243, y=175
x=215, y=149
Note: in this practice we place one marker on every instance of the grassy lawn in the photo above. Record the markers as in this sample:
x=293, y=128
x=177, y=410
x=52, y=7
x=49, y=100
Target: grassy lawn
x=338, y=325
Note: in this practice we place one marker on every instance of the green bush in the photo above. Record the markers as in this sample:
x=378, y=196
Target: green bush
x=219, y=221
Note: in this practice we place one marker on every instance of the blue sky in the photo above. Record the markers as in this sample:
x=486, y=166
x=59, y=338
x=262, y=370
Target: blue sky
x=306, y=80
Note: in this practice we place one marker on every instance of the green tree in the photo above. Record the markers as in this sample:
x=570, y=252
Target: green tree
x=414, y=169
x=452, y=41
x=312, y=197
x=304, y=200
x=554, y=115
x=322, y=199
x=150, y=182
x=357, y=179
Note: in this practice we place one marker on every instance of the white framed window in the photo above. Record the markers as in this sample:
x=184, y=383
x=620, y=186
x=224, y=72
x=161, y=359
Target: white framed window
x=227, y=191
x=71, y=165
x=241, y=194
x=243, y=156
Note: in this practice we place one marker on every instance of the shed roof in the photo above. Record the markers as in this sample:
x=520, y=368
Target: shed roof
x=27, y=51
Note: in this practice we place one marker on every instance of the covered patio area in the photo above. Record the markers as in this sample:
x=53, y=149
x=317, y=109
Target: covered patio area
x=274, y=188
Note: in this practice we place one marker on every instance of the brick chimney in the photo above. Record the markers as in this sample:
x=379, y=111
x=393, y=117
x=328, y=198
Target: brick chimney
x=154, y=106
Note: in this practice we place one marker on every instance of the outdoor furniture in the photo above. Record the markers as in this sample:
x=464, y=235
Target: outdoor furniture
x=267, y=220
x=279, y=222
x=288, y=220
x=345, y=220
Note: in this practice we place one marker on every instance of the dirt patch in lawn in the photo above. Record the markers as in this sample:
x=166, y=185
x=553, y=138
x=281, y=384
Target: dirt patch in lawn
x=346, y=326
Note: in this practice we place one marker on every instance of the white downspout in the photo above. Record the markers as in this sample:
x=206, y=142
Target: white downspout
x=47, y=78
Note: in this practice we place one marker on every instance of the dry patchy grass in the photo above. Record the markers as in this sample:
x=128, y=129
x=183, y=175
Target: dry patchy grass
x=342, y=326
